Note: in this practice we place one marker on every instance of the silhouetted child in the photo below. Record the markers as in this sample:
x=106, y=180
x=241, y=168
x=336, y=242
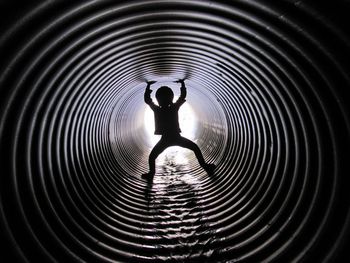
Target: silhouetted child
x=167, y=125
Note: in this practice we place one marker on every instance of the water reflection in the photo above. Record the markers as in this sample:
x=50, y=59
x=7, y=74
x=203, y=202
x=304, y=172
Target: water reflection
x=179, y=227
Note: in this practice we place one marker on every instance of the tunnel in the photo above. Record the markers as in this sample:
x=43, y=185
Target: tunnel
x=267, y=103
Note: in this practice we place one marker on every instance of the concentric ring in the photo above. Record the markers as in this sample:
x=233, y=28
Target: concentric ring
x=269, y=92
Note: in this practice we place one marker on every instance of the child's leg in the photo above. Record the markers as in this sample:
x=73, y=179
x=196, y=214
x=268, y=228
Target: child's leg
x=157, y=149
x=186, y=143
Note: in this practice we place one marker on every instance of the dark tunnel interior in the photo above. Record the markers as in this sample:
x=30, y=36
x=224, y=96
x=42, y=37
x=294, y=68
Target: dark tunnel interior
x=268, y=102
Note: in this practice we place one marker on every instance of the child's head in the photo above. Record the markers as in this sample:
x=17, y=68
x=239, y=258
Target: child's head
x=164, y=96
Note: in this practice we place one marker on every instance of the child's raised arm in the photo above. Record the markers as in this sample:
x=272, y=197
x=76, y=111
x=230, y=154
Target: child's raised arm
x=147, y=95
x=183, y=93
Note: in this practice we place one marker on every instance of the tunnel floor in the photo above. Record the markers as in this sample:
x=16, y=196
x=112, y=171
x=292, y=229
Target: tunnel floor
x=177, y=221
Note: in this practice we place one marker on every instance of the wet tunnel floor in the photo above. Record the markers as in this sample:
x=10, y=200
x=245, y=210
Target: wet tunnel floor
x=178, y=226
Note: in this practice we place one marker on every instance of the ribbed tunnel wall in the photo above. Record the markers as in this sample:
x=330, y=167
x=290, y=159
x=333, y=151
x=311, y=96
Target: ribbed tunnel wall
x=268, y=83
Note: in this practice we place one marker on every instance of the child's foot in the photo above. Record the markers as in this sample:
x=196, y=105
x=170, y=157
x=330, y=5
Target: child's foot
x=148, y=175
x=209, y=168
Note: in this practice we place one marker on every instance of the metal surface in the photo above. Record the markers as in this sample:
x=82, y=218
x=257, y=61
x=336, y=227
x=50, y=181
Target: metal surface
x=267, y=84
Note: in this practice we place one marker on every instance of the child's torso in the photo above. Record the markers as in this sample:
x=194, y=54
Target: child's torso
x=166, y=120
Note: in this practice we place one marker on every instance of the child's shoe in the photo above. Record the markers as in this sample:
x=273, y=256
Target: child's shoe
x=148, y=176
x=209, y=168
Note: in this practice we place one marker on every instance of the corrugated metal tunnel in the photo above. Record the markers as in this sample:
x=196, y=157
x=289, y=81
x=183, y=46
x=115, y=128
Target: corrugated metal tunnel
x=267, y=103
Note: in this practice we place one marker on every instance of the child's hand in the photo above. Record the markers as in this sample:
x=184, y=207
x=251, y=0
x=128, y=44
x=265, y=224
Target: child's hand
x=180, y=81
x=149, y=83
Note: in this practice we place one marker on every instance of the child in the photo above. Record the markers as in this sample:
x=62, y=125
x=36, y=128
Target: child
x=167, y=125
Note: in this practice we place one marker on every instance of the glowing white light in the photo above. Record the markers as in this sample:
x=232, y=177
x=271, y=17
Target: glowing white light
x=187, y=121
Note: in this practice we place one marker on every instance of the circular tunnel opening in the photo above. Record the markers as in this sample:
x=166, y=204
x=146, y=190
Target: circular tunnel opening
x=266, y=102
